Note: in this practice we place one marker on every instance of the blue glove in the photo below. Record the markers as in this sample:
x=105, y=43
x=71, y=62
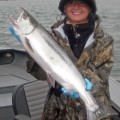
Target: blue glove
x=89, y=85
x=74, y=94
x=14, y=34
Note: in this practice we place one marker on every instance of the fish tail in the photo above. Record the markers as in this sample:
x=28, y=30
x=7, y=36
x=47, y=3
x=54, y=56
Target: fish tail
x=102, y=112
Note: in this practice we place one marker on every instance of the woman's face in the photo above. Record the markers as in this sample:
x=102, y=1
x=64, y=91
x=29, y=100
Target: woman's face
x=77, y=12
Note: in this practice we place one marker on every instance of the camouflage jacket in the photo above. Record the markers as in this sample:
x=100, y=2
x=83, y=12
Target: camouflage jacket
x=95, y=63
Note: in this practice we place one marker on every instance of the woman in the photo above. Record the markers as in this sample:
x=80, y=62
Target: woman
x=80, y=35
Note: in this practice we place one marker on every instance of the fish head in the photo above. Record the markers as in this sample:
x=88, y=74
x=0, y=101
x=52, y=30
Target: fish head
x=25, y=23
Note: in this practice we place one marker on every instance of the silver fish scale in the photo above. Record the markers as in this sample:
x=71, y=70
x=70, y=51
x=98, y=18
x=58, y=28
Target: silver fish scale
x=49, y=40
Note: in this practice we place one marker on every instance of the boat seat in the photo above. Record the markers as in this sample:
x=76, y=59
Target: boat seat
x=28, y=100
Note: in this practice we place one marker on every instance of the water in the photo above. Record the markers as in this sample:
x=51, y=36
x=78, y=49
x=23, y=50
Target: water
x=45, y=11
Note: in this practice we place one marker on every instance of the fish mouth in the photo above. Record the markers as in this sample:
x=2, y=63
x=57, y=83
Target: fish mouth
x=13, y=22
x=22, y=11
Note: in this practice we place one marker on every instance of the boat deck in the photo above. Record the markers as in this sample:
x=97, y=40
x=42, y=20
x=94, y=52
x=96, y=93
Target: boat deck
x=114, y=88
x=12, y=73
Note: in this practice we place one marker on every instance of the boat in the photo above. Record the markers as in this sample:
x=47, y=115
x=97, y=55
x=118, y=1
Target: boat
x=13, y=73
x=114, y=88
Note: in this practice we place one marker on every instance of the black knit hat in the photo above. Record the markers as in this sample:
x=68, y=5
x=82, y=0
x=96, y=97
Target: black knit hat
x=90, y=3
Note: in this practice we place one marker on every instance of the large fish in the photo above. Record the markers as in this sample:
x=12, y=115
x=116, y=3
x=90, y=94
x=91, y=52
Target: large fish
x=53, y=59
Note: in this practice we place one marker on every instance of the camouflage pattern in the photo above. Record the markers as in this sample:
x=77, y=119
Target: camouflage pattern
x=95, y=63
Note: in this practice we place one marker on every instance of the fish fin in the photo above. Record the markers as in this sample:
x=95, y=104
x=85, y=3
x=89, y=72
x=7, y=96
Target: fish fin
x=29, y=45
x=102, y=112
x=50, y=80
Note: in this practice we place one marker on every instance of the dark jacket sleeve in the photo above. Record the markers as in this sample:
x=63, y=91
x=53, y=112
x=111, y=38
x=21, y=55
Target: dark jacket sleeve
x=34, y=69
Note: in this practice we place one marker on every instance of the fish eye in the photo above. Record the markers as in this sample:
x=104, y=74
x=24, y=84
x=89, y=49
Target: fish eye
x=25, y=15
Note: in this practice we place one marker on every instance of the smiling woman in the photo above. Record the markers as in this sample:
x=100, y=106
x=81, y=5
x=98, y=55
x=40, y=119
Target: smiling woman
x=91, y=48
x=77, y=12
x=90, y=3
